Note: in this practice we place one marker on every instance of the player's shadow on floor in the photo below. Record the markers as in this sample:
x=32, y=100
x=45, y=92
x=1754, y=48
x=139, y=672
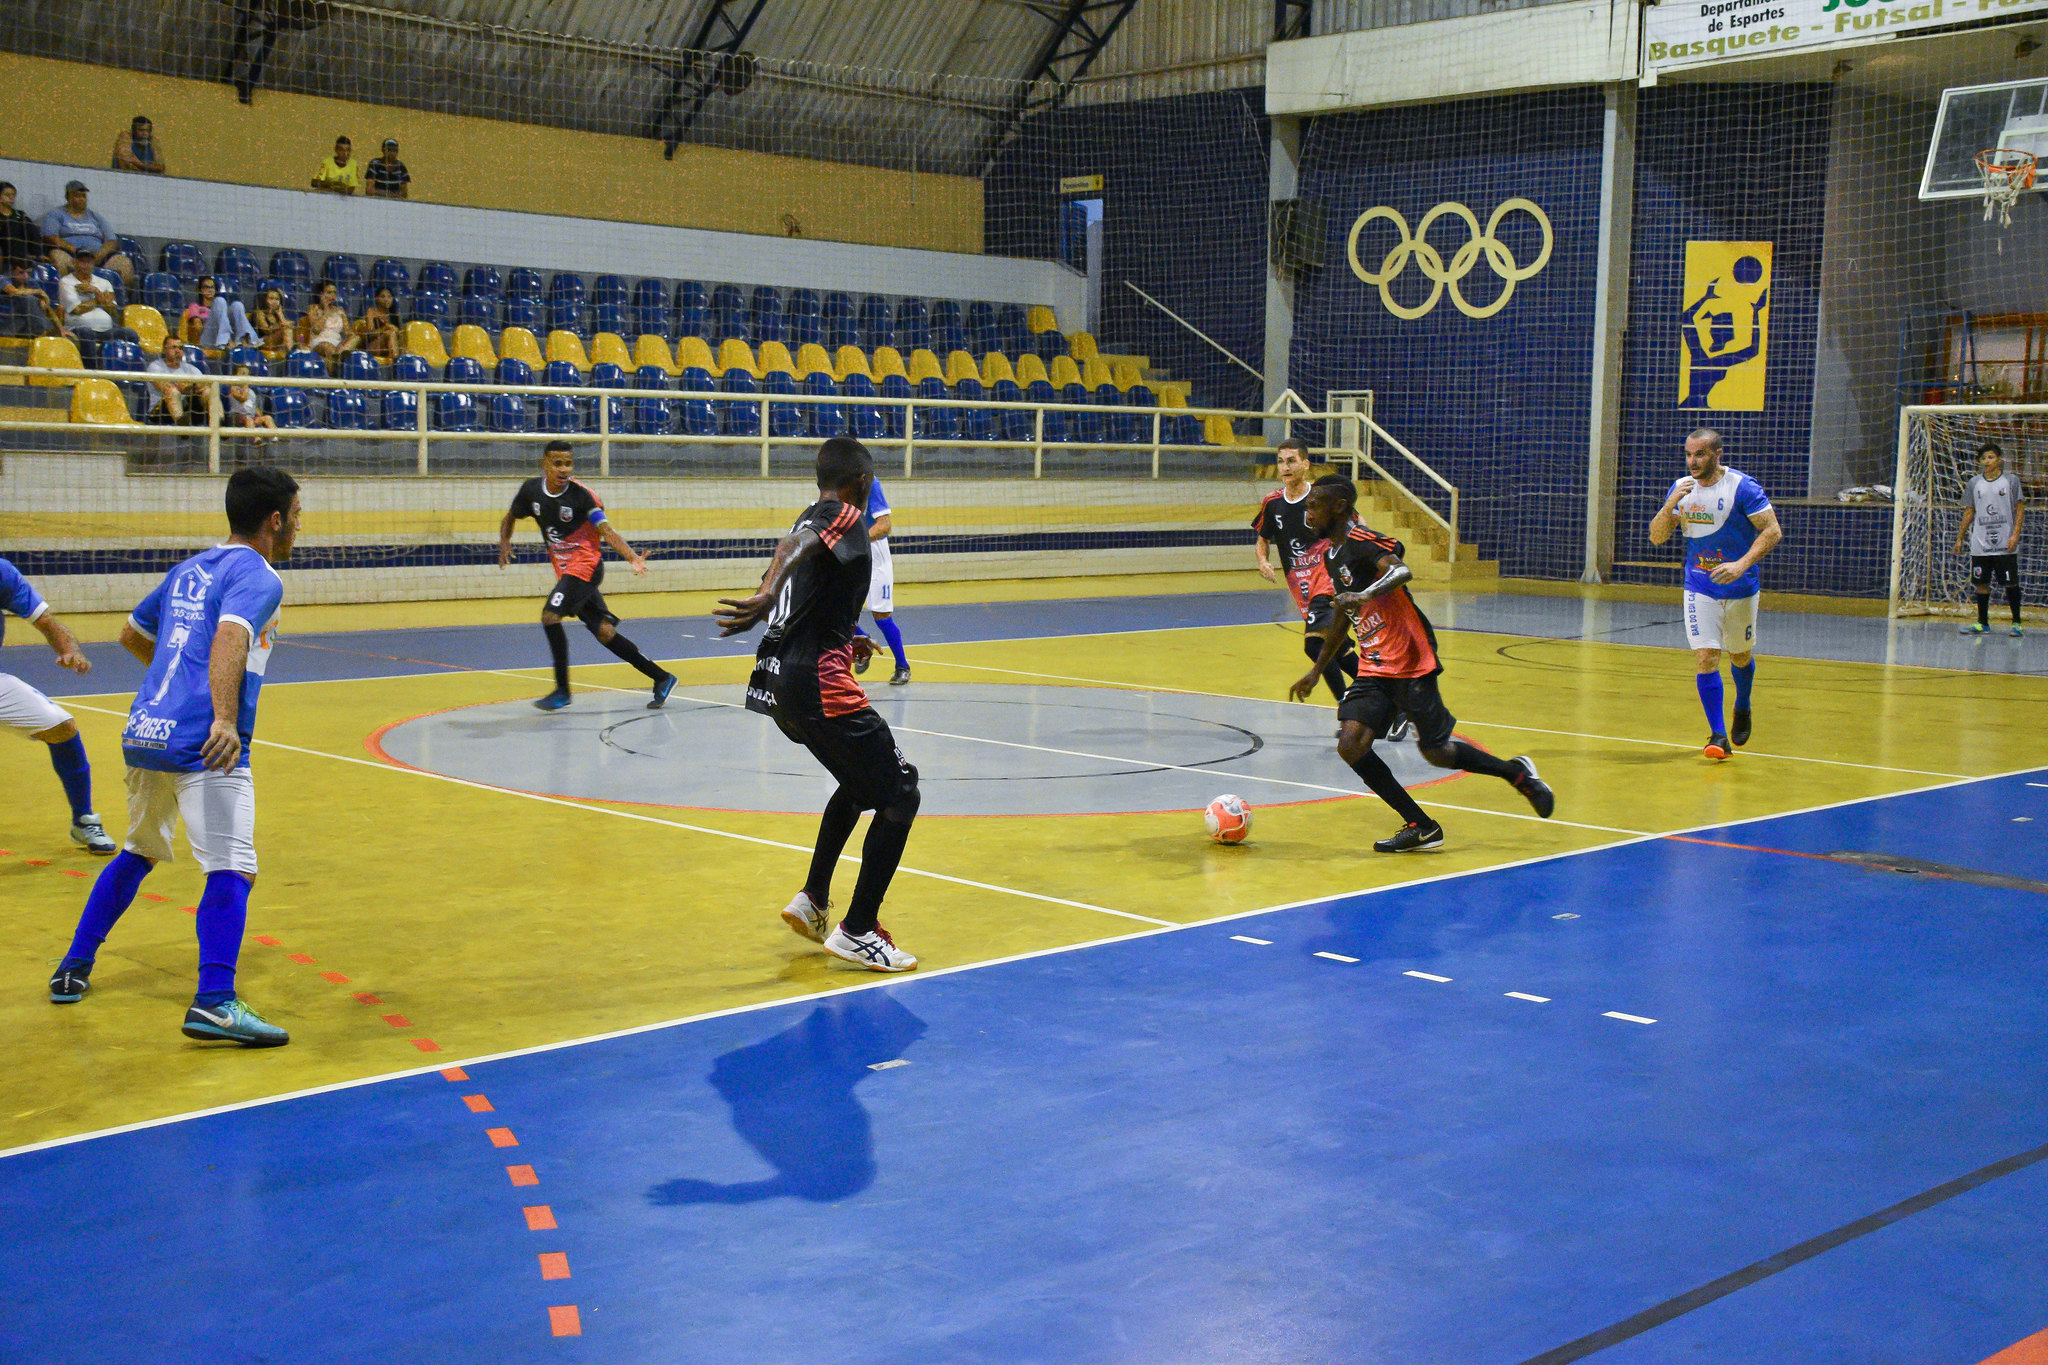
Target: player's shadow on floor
x=792, y=1100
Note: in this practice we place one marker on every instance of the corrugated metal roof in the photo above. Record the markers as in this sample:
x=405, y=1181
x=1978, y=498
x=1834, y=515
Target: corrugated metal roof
x=1181, y=47
x=1349, y=16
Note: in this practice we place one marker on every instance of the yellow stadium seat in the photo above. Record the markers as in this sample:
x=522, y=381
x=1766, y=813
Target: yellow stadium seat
x=1030, y=369
x=695, y=353
x=1125, y=375
x=568, y=346
x=423, y=339
x=996, y=366
x=53, y=353
x=1172, y=393
x=734, y=354
x=811, y=359
x=888, y=360
x=1219, y=431
x=1095, y=374
x=960, y=365
x=609, y=348
x=651, y=351
x=774, y=357
x=925, y=365
x=1063, y=371
x=474, y=343
x=1082, y=346
x=148, y=324
x=517, y=343
x=1040, y=318
x=852, y=360
x=97, y=401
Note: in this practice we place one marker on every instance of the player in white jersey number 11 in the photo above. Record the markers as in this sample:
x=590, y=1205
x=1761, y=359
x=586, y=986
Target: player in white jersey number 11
x=1729, y=527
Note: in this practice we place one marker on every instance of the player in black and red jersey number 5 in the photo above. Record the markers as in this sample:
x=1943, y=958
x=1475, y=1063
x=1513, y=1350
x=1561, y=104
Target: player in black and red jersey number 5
x=811, y=598
x=1397, y=668
x=573, y=525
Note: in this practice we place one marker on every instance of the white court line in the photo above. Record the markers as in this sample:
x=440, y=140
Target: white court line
x=1532, y=999
x=1337, y=957
x=1626, y=1018
x=682, y=825
x=880, y=982
x=1427, y=976
x=1241, y=938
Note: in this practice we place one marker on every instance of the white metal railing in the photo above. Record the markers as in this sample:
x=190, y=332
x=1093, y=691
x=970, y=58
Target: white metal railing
x=1353, y=412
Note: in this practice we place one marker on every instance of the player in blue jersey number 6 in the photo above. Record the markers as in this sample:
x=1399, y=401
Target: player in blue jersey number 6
x=205, y=634
x=1729, y=526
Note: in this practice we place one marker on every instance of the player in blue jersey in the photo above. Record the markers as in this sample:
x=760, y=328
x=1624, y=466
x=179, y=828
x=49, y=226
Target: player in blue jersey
x=205, y=634
x=1729, y=526
x=882, y=587
x=27, y=711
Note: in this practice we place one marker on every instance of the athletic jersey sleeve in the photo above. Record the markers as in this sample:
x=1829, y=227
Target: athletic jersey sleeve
x=834, y=522
x=148, y=616
x=523, y=500
x=878, y=501
x=2013, y=482
x=1262, y=522
x=18, y=595
x=1750, y=498
x=252, y=596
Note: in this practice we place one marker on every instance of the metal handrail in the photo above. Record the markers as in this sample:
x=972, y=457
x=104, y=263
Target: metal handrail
x=1360, y=456
x=1227, y=353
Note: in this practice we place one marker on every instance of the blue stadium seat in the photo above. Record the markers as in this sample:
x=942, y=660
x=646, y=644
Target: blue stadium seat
x=507, y=412
x=895, y=386
x=826, y=419
x=693, y=320
x=609, y=376
x=840, y=332
x=437, y=276
x=342, y=269
x=289, y=407
x=1012, y=336
x=650, y=308
x=360, y=365
x=948, y=337
x=181, y=259
x=523, y=313
x=483, y=281
x=692, y=294
x=561, y=374
x=976, y=424
x=1013, y=424
x=698, y=417
x=239, y=356
x=837, y=305
x=651, y=416
x=558, y=414
x=981, y=328
x=1057, y=427
x=555, y=408
x=44, y=276
x=161, y=291
x=512, y=370
x=124, y=356
x=1185, y=431
x=864, y=420
x=113, y=283
x=1138, y=396
x=1118, y=425
x=1049, y=345
x=463, y=369
x=568, y=315
x=913, y=326
x=1087, y=426
x=344, y=409
x=610, y=317
x=525, y=283
x=936, y=424
x=769, y=327
x=741, y=419
x=391, y=273
x=304, y=365
x=458, y=411
x=784, y=419
x=805, y=329
x=608, y=289
x=412, y=369
x=568, y=288
x=431, y=307
x=801, y=303
x=292, y=266
x=945, y=313
x=350, y=296
x=479, y=311
x=401, y=410
x=132, y=249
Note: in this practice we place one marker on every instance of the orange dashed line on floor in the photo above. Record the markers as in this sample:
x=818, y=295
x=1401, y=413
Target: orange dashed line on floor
x=478, y=1104
x=539, y=1218
x=303, y=959
x=153, y=896
x=564, y=1321
x=522, y=1175
x=454, y=1073
x=190, y=909
x=396, y=1020
x=365, y=998
x=69, y=872
x=269, y=942
x=554, y=1265
x=425, y=1044
x=501, y=1137
x=38, y=862
x=336, y=977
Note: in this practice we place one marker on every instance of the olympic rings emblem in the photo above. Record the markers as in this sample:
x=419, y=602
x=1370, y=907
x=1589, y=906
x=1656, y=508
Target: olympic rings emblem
x=1431, y=262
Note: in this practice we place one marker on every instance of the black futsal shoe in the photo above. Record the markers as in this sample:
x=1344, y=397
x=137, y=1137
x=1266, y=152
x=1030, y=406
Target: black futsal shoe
x=68, y=986
x=1409, y=838
x=661, y=691
x=860, y=661
x=1739, y=731
x=899, y=677
x=1718, y=747
x=1533, y=787
x=553, y=701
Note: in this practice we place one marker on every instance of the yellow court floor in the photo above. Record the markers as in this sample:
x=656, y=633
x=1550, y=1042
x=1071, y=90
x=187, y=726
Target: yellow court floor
x=405, y=919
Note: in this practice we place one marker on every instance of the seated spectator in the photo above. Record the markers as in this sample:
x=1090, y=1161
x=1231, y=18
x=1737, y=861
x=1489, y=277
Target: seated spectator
x=20, y=239
x=136, y=149
x=244, y=408
x=72, y=229
x=86, y=305
x=377, y=329
x=215, y=323
x=272, y=326
x=325, y=327
x=181, y=403
x=386, y=177
x=25, y=310
x=338, y=174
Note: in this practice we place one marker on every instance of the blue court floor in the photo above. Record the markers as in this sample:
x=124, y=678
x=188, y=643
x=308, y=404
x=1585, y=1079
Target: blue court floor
x=1470, y=1120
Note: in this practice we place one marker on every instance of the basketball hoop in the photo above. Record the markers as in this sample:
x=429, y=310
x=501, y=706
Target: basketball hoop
x=2007, y=175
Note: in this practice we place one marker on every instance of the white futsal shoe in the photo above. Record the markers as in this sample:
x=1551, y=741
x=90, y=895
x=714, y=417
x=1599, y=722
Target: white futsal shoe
x=806, y=918
x=876, y=951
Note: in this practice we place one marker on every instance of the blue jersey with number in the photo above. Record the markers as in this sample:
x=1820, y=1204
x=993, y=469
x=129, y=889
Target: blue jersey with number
x=1717, y=531
x=174, y=707
x=878, y=504
x=19, y=596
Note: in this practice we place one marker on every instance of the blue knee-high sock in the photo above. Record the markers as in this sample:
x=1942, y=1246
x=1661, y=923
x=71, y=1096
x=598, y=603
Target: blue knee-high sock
x=75, y=772
x=1710, y=700
x=223, y=911
x=1744, y=676
x=111, y=896
x=895, y=639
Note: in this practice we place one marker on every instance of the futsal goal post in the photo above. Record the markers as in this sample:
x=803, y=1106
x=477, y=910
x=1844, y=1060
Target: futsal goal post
x=1938, y=456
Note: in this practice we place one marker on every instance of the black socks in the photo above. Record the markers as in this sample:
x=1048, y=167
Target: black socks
x=879, y=857
x=841, y=815
x=1374, y=772
x=558, y=645
x=630, y=652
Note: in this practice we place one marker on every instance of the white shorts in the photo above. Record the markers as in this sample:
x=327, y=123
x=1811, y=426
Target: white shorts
x=27, y=710
x=219, y=811
x=1720, y=622
x=881, y=578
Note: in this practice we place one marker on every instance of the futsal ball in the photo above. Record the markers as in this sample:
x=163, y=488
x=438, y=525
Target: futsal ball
x=1228, y=819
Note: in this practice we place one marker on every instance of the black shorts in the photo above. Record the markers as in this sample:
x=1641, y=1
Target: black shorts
x=1986, y=570
x=1319, y=616
x=580, y=598
x=859, y=751
x=1375, y=702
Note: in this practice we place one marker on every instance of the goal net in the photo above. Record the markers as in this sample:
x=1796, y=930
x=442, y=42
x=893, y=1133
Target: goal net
x=1938, y=457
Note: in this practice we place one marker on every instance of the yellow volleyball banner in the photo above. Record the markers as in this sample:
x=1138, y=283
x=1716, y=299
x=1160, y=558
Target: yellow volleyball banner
x=1725, y=330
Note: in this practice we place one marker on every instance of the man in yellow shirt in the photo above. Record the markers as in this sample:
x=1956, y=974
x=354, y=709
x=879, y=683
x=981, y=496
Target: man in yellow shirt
x=338, y=173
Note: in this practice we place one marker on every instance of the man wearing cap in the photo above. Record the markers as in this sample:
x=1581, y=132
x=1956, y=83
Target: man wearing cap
x=386, y=177
x=72, y=229
x=87, y=306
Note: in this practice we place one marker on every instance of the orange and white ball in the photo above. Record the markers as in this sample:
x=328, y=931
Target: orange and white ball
x=1228, y=819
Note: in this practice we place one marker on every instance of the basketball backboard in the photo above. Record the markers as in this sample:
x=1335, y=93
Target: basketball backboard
x=1976, y=118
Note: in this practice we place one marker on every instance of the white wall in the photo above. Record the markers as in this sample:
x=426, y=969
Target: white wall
x=152, y=206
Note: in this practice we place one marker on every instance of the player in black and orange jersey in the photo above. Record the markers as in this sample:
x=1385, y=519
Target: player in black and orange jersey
x=811, y=598
x=573, y=524
x=1397, y=668
x=1282, y=523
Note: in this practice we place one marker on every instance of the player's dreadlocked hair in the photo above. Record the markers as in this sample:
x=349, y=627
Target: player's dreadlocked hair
x=841, y=461
x=1344, y=487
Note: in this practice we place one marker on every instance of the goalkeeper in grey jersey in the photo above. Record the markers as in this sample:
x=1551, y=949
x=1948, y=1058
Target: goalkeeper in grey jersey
x=1992, y=514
